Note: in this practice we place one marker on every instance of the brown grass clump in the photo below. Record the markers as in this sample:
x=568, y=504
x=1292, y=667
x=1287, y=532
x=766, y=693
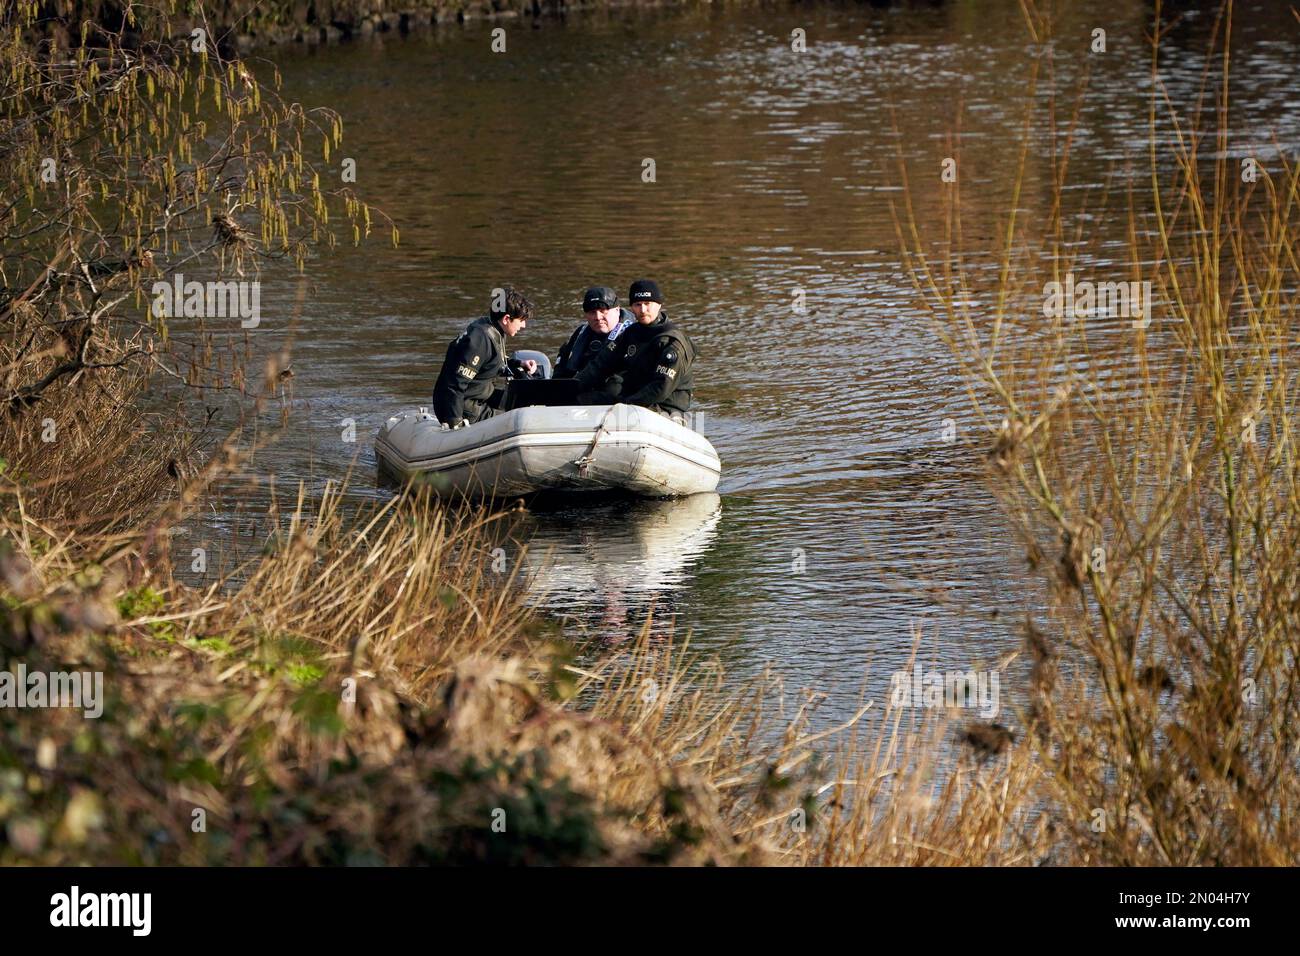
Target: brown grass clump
x=367, y=691
x=69, y=453
x=1151, y=469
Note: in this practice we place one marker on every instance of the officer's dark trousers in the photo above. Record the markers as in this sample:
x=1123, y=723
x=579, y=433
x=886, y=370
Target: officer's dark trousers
x=471, y=411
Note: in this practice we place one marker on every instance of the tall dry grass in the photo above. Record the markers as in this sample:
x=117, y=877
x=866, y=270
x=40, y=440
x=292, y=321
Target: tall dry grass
x=67, y=451
x=1151, y=472
x=368, y=690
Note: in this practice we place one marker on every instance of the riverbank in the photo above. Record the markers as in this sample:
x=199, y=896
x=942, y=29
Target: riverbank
x=363, y=694
x=240, y=26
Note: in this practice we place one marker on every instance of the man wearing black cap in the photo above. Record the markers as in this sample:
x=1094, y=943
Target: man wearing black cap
x=654, y=357
x=605, y=321
x=467, y=390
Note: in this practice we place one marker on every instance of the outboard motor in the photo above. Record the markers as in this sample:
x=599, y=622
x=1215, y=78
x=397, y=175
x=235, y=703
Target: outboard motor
x=517, y=360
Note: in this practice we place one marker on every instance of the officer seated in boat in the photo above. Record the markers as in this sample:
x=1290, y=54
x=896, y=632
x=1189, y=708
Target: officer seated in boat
x=467, y=389
x=604, y=323
x=652, y=355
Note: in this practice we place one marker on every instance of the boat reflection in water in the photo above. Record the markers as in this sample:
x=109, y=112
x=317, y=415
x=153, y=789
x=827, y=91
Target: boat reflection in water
x=606, y=566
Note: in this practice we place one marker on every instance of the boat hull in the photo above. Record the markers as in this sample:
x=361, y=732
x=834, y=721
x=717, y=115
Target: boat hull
x=550, y=448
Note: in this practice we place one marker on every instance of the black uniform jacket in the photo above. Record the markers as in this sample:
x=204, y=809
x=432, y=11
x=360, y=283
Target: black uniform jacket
x=469, y=372
x=655, y=362
x=584, y=345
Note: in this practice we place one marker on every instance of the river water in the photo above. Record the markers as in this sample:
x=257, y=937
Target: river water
x=844, y=518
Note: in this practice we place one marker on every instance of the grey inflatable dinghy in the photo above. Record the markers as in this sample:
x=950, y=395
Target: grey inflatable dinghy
x=550, y=448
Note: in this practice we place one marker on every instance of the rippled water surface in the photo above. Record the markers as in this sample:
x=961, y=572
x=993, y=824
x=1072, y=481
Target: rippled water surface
x=842, y=515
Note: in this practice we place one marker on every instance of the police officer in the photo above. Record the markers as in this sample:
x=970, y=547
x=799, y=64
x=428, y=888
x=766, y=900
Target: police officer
x=653, y=355
x=467, y=390
x=605, y=321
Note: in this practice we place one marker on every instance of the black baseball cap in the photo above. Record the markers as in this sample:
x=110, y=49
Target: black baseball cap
x=599, y=297
x=645, y=290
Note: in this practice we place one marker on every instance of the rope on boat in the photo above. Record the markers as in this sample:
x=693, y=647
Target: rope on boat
x=590, y=455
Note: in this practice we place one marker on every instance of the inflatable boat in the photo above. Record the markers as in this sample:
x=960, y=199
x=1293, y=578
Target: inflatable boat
x=544, y=448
